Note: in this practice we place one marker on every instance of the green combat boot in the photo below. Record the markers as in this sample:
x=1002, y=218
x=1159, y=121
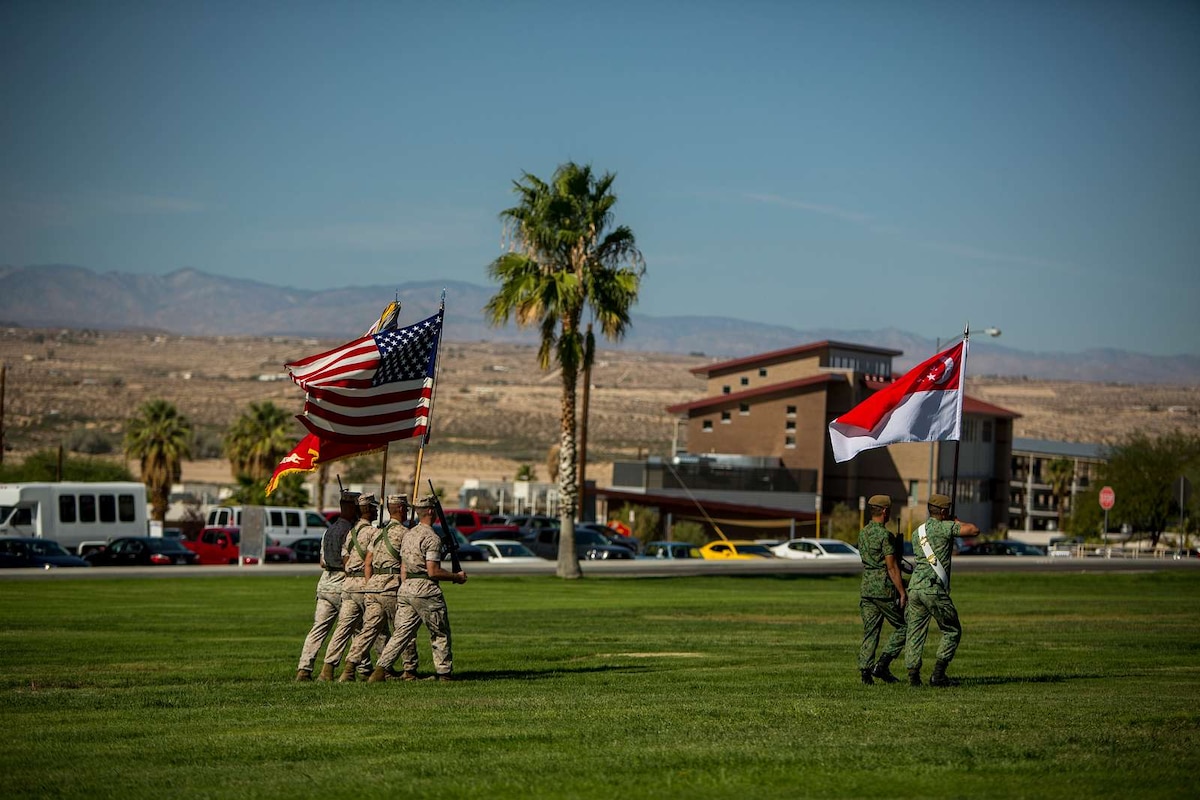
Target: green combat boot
x=938, y=678
x=326, y=673
x=348, y=673
x=378, y=676
x=866, y=677
x=303, y=675
x=914, y=677
x=882, y=672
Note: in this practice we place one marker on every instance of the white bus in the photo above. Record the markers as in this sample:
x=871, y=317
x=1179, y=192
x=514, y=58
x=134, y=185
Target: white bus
x=71, y=513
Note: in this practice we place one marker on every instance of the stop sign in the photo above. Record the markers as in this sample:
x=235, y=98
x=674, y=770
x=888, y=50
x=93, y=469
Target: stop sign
x=1107, y=497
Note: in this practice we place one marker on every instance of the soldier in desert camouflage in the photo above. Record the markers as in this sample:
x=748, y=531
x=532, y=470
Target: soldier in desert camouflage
x=329, y=587
x=354, y=600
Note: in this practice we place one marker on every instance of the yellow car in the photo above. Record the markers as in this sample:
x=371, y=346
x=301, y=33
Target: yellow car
x=735, y=549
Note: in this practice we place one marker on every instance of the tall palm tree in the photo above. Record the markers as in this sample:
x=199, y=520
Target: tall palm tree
x=565, y=255
x=160, y=438
x=1060, y=474
x=261, y=436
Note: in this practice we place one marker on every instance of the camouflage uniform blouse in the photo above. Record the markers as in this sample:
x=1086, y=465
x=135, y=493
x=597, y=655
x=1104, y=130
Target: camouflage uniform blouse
x=385, y=568
x=941, y=535
x=354, y=554
x=420, y=544
x=333, y=574
x=875, y=543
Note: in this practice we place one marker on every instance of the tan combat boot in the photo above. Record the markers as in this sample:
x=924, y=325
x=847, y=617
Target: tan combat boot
x=409, y=675
x=378, y=676
x=348, y=673
x=303, y=675
x=326, y=673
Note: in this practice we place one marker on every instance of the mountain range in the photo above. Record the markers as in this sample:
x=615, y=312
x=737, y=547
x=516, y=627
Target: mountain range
x=197, y=303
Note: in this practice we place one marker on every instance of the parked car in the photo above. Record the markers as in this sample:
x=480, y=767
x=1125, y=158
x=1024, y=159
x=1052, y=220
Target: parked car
x=530, y=523
x=465, y=520
x=672, y=550
x=29, y=551
x=735, y=549
x=466, y=550
x=589, y=545
x=493, y=531
x=307, y=550
x=506, y=551
x=815, y=548
x=1003, y=547
x=142, y=551
x=217, y=545
x=614, y=537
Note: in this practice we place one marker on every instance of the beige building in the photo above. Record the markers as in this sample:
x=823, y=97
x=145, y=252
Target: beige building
x=775, y=409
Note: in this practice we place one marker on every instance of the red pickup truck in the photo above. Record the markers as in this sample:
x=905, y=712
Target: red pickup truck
x=220, y=545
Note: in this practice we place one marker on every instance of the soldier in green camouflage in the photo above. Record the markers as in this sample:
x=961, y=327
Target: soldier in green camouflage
x=929, y=591
x=882, y=596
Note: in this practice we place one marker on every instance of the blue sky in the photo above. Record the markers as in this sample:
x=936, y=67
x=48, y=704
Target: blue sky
x=1033, y=166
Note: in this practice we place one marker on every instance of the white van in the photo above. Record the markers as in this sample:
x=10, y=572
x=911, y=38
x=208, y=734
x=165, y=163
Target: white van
x=73, y=512
x=282, y=524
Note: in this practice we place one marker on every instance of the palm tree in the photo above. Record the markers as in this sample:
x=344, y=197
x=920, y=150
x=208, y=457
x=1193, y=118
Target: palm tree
x=1060, y=474
x=159, y=437
x=565, y=257
x=258, y=439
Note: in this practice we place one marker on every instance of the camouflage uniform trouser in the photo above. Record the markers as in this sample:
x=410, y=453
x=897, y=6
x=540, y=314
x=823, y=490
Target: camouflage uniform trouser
x=923, y=604
x=874, y=611
x=326, y=615
x=350, y=620
x=411, y=611
x=381, y=609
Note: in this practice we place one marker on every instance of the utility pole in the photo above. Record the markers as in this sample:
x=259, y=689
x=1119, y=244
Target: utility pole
x=3, y=378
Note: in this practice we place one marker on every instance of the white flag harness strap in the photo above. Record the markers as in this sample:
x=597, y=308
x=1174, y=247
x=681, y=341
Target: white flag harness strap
x=923, y=540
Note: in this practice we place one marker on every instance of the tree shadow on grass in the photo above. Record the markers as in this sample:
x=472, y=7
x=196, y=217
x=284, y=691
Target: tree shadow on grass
x=541, y=674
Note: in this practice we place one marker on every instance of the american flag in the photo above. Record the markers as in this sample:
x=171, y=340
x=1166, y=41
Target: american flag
x=377, y=388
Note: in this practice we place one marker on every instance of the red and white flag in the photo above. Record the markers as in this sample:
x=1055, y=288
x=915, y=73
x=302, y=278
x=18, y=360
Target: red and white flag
x=377, y=388
x=923, y=406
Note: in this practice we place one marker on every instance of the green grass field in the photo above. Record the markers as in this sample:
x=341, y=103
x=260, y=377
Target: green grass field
x=1073, y=686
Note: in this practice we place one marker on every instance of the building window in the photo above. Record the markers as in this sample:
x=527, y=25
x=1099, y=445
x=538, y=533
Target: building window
x=790, y=425
x=789, y=442
x=762, y=372
x=744, y=409
x=987, y=430
x=968, y=430
x=912, y=491
x=791, y=411
x=745, y=381
x=706, y=426
x=726, y=417
x=724, y=390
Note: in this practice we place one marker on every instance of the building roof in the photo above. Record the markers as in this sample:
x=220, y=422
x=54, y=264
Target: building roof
x=1046, y=447
x=769, y=389
x=789, y=352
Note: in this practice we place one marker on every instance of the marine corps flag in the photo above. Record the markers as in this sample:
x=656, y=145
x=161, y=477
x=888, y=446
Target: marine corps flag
x=312, y=453
x=923, y=406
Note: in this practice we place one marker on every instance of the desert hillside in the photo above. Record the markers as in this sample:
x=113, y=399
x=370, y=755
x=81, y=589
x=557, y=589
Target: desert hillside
x=494, y=409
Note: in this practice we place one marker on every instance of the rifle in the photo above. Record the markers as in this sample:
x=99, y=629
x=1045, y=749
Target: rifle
x=448, y=537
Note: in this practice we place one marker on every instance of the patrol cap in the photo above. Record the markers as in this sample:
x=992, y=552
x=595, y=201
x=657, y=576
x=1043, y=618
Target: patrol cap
x=349, y=496
x=368, y=500
x=397, y=499
x=880, y=501
x=939, y=501
x=428, y=501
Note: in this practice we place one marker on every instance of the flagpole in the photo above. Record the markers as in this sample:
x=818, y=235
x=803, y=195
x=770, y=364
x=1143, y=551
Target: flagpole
x=437, y=368
x=387, y=445
x=962, y=393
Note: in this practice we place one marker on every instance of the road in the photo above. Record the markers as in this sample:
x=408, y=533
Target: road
x=642, y=568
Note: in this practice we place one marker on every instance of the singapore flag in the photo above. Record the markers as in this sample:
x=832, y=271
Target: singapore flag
x=923, y=406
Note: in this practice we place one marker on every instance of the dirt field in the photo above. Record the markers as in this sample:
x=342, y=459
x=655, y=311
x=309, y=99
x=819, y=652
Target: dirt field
x=494, y=409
